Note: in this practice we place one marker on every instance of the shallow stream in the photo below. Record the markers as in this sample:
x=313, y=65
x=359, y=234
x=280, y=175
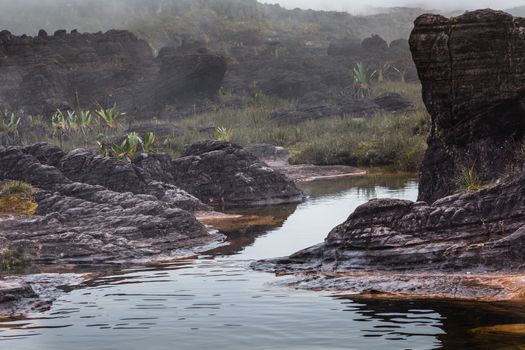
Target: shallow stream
x=215, y=301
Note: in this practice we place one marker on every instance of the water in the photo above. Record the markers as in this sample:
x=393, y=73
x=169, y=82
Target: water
x=216, y=301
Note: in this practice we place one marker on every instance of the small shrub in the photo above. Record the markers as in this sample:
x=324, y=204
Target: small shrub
x=9, y=123
x=16, y=198
x=16, y=188
x=468, y=180
x=223, y=134
x=128, y=150
x=362, y=79
x=110, y=117
x=13, y=258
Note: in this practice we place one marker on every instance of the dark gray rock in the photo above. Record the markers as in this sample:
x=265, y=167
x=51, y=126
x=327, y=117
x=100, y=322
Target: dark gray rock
x=473, y=76
x=85, y=166
x=304, y=114
x=393, y=102
x=223, y=174
x=85, y=222
x=43, y=73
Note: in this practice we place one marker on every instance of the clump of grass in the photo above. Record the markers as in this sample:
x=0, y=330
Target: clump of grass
x=468, y=180
x=16, y=198
x=21, y=188
x=223, y=134
x=9, y=125
x=13, y=258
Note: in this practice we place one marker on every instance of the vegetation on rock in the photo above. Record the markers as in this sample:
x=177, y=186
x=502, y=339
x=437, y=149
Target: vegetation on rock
x=13, y=258
x=16, y=198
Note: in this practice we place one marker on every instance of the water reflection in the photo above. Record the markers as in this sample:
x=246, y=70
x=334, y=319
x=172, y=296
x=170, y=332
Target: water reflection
x=217, y=301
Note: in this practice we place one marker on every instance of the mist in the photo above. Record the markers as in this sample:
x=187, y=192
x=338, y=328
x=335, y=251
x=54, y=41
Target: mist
x=366, y=6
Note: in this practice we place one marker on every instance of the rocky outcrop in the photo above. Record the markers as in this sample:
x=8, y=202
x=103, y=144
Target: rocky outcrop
x=85, y=166
x=88, y=222
x=472, y=241
x=473, y=75
x=46, y=72
x=223, y=174
x=347, y=106
x=387, y=241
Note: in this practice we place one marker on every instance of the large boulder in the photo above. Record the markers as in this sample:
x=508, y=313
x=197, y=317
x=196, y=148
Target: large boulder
x=46, y=72
x=223, y=174
x=473, y=78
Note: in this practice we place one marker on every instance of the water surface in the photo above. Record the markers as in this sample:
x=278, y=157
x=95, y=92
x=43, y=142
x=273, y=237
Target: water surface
x=216, y=301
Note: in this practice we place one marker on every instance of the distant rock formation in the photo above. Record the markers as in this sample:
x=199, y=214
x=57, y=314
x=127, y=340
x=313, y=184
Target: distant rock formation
x=42, y=73
x=473, y=76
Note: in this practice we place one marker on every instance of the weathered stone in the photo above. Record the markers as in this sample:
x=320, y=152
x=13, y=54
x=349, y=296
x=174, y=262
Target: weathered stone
x=82, y=221
x=223, y=174
x=393, y=102
x=473, y=78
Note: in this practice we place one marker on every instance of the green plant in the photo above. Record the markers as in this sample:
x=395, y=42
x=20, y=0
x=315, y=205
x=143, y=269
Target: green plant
x=149, y=140
x=468, y=180
x=110, y=117
x=16, y=188
x=9, y=124
x=382, y=70
x=12, y=258
x=223, y=134
x=402, y=74
x=362, y=79
x=128, y=149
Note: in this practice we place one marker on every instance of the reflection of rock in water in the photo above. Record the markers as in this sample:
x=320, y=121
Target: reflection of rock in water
x=242, y=238
x=363, y=185
x=458, y=325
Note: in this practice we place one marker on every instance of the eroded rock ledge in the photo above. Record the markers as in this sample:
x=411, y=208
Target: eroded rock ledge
x=462, y=245
x=92, y=208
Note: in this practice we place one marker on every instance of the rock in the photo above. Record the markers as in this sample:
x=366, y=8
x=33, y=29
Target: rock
x=358, y=108
x=78, y=221
x=473, y=75
x=375, y=44
x=43, y=73
x=304, y=114
x=473, y=242
x=11, y=291
x=85, y=166
x=482, y=233
x=223, y=174
x=393, y=102
x=270, y=153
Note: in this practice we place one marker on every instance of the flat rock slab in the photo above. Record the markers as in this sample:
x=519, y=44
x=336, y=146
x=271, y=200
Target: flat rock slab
x=308, y=173
x=479, y=287
x=14, y=290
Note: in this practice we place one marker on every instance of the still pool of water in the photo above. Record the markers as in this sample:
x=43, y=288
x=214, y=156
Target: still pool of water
x=215, y=301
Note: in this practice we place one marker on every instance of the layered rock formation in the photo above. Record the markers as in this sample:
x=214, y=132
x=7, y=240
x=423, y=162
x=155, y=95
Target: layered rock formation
x=223, y=174
x=93, y=208
x=80, y=221
x=46, y=72
x=473, y=76
x=462, y=245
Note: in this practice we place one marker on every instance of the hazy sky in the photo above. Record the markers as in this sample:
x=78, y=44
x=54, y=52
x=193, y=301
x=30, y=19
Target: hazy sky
x=361, y=5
